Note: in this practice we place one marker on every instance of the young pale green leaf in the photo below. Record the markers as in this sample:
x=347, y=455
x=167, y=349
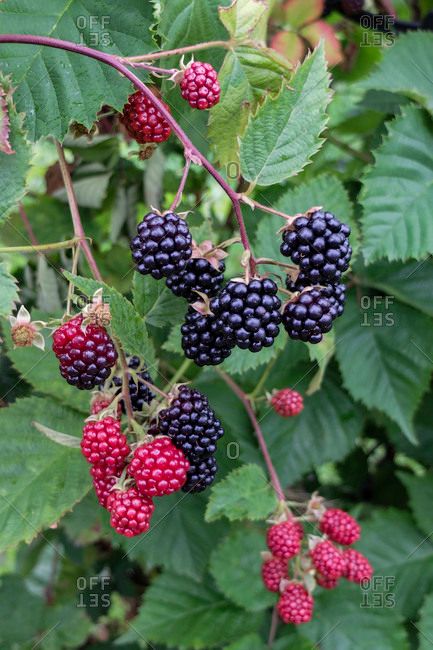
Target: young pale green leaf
x=41, y=480
x=420, y=489
x=53, y=86
x=126, y=323
x=246, y=19
x=199, y=616
x=8, y=291
x=56, y=436
x=244, y=494
x=247, y=76
x=406, y=69
x=156, y=303
x=398, y=191
x=281, y=139
x=425, y=624
x=384, y=352
x=235, y=565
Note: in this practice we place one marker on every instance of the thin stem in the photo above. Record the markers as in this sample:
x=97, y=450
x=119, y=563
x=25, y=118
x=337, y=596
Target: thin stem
x=259, y=433
x=273, y=628
x=269, y=260
x=151, y=68
x=27, y=225
x=152, y=387
x=75, y=214
x=360, y=155
x=180, y=372
x=263, y=379
x=75, y=256
x=125, y=384
x=178, y=50
x=260, y=206
x=41, y=248
x=180, y=189
x=115, y=62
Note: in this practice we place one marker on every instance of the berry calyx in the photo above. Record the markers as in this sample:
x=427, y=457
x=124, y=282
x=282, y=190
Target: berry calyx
x=199, y=275
x=295, y=604
x=284, y=539
x=139, y=393
x=357, y=567
x=319, y=244
x=273, y=571
x=328, y=560
x=287, y=402
x=340, y=527
x=104, y=479
x=308, y=316
x=200, y=86
x=202, y=340
x=248, y=313
x=201, y=475
x=158, y=468
x=143, y=121
x=162, y=245
x=130, y=511
x=104, y=442
x=86, y=356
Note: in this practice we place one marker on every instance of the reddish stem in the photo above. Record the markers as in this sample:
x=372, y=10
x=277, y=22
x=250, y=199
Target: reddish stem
x=259, y=433
x=115, y=62
x=180, y=189
x=179, y=50
x=27, y=225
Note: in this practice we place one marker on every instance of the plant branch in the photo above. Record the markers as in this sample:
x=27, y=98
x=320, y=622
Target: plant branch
x=125, y=384
x=360, y=155
x=42, y=248
x=116, y=63
x=153, y=69
x=178, y=197
x=273, y=628
x=27, y=225
x=75, y=214
x=177, y=51
x=260, y=206
x=152, y=387
x=259, y=434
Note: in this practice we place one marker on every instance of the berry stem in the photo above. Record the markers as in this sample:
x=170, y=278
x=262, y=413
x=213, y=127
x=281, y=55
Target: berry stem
x=74, y=266
x=262, y=380
x=75, y=213
x=177, y=51
x=116, y=62
x=27, y=225
x=245, y=399
x=125, y=384
x=273, y=628
x=152, y=68
x=268, y=260
x=42, y=248
x=152, y=387
x=260, y=206
x=178, y=197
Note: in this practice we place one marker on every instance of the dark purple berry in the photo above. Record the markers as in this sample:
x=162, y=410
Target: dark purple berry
x=202, y=341
x=140, y=394
x=201, y=475
x=336, y=293
x=198, y=275
x=308, y=316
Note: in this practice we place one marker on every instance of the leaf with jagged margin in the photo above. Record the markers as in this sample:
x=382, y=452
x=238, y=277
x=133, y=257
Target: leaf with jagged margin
x=246, y=19
x=8, y=291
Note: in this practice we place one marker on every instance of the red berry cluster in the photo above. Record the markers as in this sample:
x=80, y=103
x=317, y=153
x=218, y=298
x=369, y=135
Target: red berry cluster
x=321, y=561
x=287, y=402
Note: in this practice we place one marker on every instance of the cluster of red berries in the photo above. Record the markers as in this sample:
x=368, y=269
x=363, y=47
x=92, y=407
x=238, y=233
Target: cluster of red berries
x=321, y=561
x=145, y=123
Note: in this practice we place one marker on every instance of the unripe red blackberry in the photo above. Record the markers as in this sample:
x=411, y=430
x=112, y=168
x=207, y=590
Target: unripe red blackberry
x=198, y=275
x=201, y=475
x=287, y=402
x=143, y=121
x=162, y=245
x=103, y=441
x=328, y=560
x=284, y=539
x=130, y=511
x=248, y=314
x=340, y=527
x=273, y=571
x=202, y=340
x=319, y=244
x=139, y=393
x=308, y=316
x=104, y=478
x=326, y=583
x=199, y=85
x=158, y=468
x=295, y=604
x=86, y=356
x=357, y=567
x=100, y=402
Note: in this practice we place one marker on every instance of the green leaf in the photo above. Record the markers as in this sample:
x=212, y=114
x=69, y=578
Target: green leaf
x=249, y=642
x=53, y=86
x=199, y=616
x=156, y=303
x=244, y=494
x=285, y=133
x=248, y=75
x=18, y=629
x=383, y=352
x=40, y=480
x=8, y=291
x=235, y=565
x=420, y=489
x=406, y=69
x=173, y=341
x=56, y=436
x=246, y=19
x=425, y=624
x=242, y=361
x=398, y=191
x=126, y=323
x=64, y=626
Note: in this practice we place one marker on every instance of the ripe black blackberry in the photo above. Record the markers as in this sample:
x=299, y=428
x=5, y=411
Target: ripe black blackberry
x=191, y=424
x=308, y=316
x=201, y=475
x=140, y=394
x=319, y=244
x=336, y=293
x=201, y=339
x=248, y=314
x=198, y=275
x=162, y=245
x=352, y=7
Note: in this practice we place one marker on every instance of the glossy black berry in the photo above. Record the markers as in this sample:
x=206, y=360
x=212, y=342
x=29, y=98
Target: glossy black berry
x=319, y=244
x=140, y=394
x=198, y=275
x=248, y=314
x=202, y=341
x=191, y=424
x=309, y=315
x=201, y=475
x=336, y=293
x=162, y=245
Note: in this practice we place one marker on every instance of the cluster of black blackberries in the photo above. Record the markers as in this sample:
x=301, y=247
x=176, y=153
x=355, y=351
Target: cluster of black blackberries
x=139, y=393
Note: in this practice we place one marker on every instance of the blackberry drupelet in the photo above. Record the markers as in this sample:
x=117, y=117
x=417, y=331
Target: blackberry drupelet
x=198, y=275
x=248, y=314
x=201, y=339
x=336, y=293
x=319, y=244
x=140, y=394
x=162, y=245
x=201, y=475
x=309, y=316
